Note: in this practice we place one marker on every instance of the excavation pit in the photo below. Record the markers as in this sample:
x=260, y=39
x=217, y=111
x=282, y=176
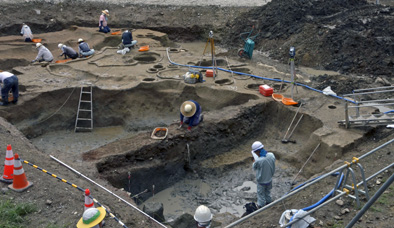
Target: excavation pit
x=125, y=122
x=148, y=57
x=219, y=62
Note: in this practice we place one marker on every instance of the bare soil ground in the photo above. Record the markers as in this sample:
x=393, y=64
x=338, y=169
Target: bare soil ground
x=131, y=95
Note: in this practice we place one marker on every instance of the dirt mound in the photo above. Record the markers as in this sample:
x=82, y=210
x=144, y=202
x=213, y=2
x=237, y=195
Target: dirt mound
x=347, y=36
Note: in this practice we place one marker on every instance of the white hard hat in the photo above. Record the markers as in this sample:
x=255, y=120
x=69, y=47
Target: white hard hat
x=257, y=146
x=38, y=45
x=60, y=45
x=80, y=40
x=203, y=214
x=188, y=108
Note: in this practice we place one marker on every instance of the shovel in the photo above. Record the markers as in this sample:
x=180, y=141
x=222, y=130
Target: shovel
x=288, y=139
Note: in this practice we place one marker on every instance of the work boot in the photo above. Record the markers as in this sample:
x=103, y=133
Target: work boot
x=3, y=103
x=15, y=101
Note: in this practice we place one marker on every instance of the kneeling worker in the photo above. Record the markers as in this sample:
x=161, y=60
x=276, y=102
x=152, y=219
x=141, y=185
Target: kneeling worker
x=191, y=114
x=127, y=40
x=84, y=49
x=92, y=218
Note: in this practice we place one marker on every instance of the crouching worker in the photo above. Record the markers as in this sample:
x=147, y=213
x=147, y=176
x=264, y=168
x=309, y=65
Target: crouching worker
x=68, y=52
x=127, y=40
x=43, y=54
x=92, y=218
x=203, y=217
x=84, y=49
x=10, y=82
x=191, y=114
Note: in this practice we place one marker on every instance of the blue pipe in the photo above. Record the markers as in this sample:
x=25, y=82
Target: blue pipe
x=320, y=201
x=255, y=76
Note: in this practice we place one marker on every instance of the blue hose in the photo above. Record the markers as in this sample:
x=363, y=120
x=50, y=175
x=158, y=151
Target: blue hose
x=320, y=201
x=255, y=76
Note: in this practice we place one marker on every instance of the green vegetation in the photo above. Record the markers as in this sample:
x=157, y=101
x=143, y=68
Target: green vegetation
x=338, y=224
x=11, y=214
x=386, y=198
x=376, y=209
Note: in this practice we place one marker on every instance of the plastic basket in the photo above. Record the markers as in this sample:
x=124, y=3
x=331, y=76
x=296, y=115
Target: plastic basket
x=158, y=129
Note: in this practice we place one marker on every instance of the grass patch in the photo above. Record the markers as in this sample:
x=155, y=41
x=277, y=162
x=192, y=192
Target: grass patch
x=338, y=224
x=386, y=198
x=11, y=214
x=375, y=209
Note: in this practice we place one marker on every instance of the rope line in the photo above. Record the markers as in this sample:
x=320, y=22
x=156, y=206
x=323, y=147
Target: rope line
x=75, y=186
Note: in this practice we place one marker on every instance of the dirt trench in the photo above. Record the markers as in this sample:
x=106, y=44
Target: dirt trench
x=165, y=162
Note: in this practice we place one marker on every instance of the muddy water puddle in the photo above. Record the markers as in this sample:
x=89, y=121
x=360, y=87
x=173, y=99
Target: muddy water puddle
x=222, y=191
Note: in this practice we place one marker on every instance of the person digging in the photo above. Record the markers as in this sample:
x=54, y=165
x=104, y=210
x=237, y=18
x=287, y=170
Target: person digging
x=264, y=166
x=92, y=218
x=191, y=114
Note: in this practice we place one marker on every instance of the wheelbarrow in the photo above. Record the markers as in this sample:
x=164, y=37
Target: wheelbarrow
x=247, y=51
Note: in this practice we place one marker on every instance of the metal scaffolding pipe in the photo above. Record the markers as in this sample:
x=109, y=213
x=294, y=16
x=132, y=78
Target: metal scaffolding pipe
x=87, y=178
x=375, y=174
x=371, y=201
x=376, y=88
x=241, y=220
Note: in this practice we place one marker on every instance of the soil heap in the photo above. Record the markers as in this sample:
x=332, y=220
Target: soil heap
x=348, y=36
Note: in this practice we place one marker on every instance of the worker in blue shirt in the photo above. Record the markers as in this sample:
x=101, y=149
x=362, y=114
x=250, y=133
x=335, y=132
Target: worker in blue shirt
x=264, y=166
x=191, y=114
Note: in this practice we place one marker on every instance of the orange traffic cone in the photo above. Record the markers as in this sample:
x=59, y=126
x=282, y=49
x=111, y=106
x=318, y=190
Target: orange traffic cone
x=8, y=174
x=88, y=201
x=20, y=183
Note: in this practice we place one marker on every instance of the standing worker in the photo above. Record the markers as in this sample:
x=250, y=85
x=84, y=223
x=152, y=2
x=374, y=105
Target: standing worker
x=10, y=82
x=43, y=54
x=103, y=26
x=127, y=40
x=92, y=218
x=84, y=49
x=68, y=52
x=191, y=114
x=264, y=166
x=203, y=217
x=26, y=33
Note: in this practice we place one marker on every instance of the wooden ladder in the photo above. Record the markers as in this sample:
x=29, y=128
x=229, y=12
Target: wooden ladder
x=84, y=121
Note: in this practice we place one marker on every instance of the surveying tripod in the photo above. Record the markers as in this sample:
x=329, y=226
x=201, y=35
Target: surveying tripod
x=210, y=41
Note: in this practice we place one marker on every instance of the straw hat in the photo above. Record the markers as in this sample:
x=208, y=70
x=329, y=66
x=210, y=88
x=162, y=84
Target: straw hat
x=106, y=12
x=91, y=217
x=188, y=108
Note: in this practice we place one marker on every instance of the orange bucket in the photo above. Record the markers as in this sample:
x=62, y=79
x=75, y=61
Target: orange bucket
x=63, y=61
x=144, y=48
x=36, y=40
x=116, y=33
x=278, y=97
x=288, y=101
